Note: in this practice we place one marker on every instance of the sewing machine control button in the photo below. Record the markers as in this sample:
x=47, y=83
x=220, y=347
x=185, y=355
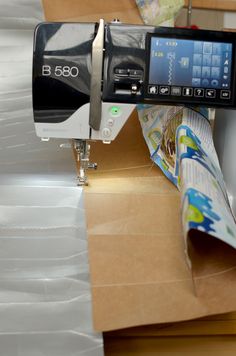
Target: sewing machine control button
x=134, y=89
x=225, y=94
x=210, y=93
x=188, y=91
x=106, y=132
x=136, y=73
x=122, y=72
x=110, y=122
x=115, y=111
x=176, y=91
x=164, y=90
x=199, y=92
x=152, y=89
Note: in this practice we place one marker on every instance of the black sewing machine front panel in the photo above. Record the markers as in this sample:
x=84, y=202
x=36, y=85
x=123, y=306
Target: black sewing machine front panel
x=61, y=69
x=141, y=64
x=125, y=62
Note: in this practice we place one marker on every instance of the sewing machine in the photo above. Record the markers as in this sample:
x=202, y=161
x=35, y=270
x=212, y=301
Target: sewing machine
x=88, y=77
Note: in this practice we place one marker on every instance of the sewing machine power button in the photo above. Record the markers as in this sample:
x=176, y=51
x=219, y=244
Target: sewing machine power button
x=106, y=132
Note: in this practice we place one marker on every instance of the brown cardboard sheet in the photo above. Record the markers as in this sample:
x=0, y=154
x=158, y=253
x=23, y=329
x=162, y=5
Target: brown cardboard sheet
x=137, y=256
x=136, y=248
x=92, y=10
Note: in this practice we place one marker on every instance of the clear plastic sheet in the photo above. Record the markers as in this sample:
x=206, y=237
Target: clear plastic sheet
x=22, y=154
x=44, y=275
x=45, y=297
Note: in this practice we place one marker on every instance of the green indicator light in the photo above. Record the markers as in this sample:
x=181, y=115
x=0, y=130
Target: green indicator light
x=115, y=110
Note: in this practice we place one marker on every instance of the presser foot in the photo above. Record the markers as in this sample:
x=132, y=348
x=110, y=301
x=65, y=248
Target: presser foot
x=82, y=149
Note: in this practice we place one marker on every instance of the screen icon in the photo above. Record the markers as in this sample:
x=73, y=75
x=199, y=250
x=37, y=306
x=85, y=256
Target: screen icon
x=197, y=59
x=207, y=48
x=197, y=71
x=152, y=89
x=198, y=46
x=188, y=91
x=176, y=91
x=215, y=72
x=225, y=94
x=164, y=90
x=184, y=62
x=196, y=82
x=206, y=72
x=210, y=93
x=214, y=82
x=206, y=60
x=216, y=61
x=199, y=92
x=217, y=49
x=205, y=82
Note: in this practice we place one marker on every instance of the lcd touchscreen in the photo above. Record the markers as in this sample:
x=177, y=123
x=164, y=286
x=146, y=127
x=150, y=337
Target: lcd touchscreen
x=181, y=62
